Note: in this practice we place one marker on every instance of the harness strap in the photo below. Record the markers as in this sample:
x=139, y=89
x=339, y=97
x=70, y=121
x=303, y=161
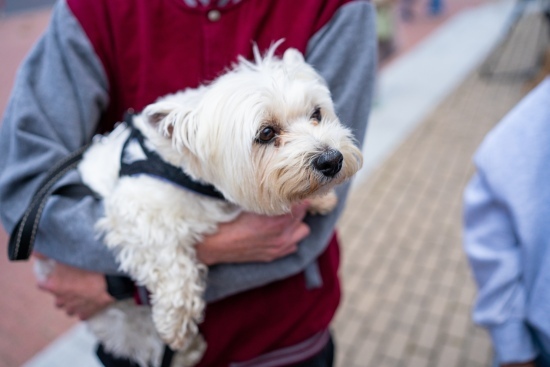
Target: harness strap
x=167, y=357
x=155, y=166
x=120, y=287
x=22, y=238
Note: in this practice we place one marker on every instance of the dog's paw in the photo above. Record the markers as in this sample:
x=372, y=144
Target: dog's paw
x=179, y=338
x=177, y=343
x=323, y=205
x=192, y=354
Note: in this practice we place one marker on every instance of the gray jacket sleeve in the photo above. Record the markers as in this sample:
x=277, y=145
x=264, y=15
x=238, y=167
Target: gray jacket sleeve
x=344, y=53
x=57, y=100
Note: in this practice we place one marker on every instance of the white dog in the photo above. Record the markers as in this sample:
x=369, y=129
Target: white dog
x=264, y=134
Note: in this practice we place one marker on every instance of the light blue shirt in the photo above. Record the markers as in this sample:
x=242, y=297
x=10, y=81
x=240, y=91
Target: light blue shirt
x=507, y=229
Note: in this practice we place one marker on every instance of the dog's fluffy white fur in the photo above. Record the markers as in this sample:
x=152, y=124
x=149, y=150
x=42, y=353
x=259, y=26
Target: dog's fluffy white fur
x=255, y=133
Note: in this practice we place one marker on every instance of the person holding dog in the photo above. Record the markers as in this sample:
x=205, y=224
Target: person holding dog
x=273, y=286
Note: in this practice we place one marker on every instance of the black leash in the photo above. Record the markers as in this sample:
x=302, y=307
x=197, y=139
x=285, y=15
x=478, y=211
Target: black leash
x=167, y=357
x=23, y=235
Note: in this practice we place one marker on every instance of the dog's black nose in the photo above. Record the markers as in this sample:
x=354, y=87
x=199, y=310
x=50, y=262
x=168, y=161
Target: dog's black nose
x=329, y=163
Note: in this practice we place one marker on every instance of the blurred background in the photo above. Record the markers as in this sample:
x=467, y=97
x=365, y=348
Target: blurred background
x=449, y=71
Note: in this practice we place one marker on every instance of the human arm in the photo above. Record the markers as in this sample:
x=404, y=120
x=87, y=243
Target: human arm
x=78, y=292
x=250, y=237
x=493, y=250
x=58, y=97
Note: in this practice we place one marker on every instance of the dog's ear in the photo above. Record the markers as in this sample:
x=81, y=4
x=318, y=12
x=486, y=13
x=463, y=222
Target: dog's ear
x=292, y=57
x=157, y=115
x=296, y=64
x=172, y=121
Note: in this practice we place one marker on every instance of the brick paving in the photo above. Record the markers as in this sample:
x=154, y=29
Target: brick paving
x=408, y=289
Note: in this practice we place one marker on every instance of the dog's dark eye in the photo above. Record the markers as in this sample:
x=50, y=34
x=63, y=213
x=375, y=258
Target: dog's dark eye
x=266, y=135
x=316, y=115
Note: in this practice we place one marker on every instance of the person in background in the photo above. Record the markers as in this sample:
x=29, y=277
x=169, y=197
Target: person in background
x=507, y=233
x=386, y=28
x=272, y=286
x=407, y=9
x=434, y=8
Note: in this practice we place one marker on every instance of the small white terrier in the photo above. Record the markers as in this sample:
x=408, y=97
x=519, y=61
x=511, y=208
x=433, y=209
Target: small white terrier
x=264, y=134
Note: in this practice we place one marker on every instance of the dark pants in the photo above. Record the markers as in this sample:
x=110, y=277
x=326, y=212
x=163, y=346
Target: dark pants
x=324, y=358
x=543, y=360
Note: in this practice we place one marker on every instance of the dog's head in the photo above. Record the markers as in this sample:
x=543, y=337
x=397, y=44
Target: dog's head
x=265, y=134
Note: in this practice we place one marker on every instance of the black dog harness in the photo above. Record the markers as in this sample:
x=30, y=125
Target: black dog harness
x=154, y=165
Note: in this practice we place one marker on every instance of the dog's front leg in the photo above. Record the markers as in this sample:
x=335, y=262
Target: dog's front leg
x=155, y=246
x=177, y=301
x=324, y=204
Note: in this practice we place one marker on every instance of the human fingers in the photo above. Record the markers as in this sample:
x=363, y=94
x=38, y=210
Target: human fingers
x=275, y=252
x=299, y=232
x=49, y=284
x=277, y=225
x=287, y=242
x=38, y=255
x=285, y=251
x=54, y=282
x=59, y=302
x=80, y=307
x=292, y=237
x=300, y=210
x=65, y=304
x=292, y=219
x=254, y=237
x=81, y=310
x=78, y=292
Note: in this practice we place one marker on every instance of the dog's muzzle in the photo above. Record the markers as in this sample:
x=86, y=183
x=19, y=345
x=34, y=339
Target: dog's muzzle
x=329, y=163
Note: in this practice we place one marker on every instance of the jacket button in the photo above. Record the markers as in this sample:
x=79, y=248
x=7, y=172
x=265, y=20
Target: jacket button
x=214, y=15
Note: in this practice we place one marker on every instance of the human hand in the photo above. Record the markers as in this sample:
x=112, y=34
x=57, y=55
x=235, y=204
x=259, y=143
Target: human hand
x=524, y=364
x=254, y=237
x=78, y=292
